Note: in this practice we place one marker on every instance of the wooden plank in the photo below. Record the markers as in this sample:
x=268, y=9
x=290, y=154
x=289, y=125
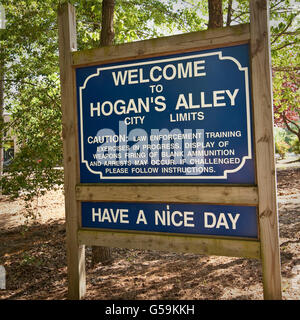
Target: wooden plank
x=263, y=119
x=184, y=244
x=75, y=253
x=169, y=193
x=180, y=43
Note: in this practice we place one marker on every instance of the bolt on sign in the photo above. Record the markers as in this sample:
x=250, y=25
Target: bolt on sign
x=168, y=145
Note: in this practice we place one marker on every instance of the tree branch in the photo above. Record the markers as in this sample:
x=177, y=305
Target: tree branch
x=242, y=13
x=287, y=69
x=189, y=3
x=286, y=120
x=284, y=30
x=285, y=45
x=276, y=4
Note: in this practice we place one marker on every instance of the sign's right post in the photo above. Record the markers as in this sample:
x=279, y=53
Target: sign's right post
x=264, y=146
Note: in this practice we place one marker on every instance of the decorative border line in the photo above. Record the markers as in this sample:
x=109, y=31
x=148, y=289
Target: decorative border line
x=187, y=177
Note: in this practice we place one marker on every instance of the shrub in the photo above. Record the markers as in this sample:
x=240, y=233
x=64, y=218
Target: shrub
x=295, y=146
x=281, y=147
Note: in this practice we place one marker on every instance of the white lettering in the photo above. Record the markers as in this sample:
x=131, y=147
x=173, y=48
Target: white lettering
x=232, y=96
x=110, y=215
x=175, y=218
x=216, y=98
x=141, y=217
x=222, y=221
x=156, y=73
x=197, y=68
x=206, y=220
x=121, y=77
x=233, y=220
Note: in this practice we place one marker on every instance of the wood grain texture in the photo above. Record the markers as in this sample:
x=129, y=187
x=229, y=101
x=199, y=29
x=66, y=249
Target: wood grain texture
x=75, y=253
x=180, y=43
x=169, y=193
x=263, y=119
x=171, y=243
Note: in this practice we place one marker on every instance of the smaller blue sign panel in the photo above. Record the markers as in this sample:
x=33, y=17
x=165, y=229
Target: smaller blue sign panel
x=195, y=219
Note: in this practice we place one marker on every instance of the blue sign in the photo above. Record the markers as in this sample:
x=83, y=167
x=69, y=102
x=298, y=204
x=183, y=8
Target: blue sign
x=177, y=118
x=214, y=220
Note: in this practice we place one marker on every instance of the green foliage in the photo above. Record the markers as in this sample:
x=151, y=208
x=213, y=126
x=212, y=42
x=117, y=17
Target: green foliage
x=285, y=42
x=30, y=260
x=285, y=142
x=32, y=95
x=281, y=147
x=295, y=146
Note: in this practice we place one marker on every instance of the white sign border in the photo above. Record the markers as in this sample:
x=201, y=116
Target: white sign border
x=187, y=177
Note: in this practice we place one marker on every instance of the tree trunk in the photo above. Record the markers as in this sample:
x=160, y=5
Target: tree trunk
x=101, y=254
x=215, y=14
x=104, y=254
x=290, y=129
x=107, y=30
x=229, y=13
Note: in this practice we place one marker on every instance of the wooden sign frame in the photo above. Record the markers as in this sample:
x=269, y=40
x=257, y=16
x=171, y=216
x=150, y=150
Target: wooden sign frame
x=262, y=195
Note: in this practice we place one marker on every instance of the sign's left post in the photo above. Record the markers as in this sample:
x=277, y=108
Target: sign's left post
x=75, y=252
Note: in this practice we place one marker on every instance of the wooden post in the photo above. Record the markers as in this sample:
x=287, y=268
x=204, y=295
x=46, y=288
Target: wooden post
x=75, y=252
x=266, y=175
